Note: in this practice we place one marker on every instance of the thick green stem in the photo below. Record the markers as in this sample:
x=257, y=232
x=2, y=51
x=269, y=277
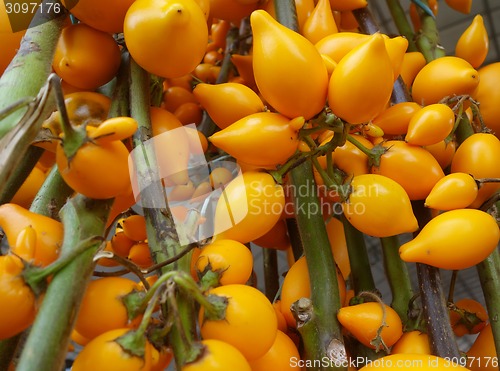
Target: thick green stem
x=398, y=277
x=321, y=266
x=162, y=235
x=401, y=21
x=489, y=276
x=46, y=345
x=294, y=235
x=361, y=274
x=52, y=195
x=286, y=14
x=271, y=277
x=428, y=37
x=31, y=66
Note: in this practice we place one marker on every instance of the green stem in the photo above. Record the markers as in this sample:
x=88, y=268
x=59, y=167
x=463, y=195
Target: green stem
x=361, y=274
x=82, y=217
x=401, y=21
x=294, y=235
x=162, y=235
x=489, y=276
x=31, y=66
x=286, y=14
x=52, y=195
x=321, y=266
x=271, y=277
x=398, y=277
x=428, y=38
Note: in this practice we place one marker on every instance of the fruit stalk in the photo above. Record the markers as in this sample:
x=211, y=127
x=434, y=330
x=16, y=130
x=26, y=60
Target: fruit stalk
x=162, y=235
x=35, y=54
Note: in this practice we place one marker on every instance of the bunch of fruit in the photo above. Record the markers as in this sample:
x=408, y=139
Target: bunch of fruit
x=186, y=134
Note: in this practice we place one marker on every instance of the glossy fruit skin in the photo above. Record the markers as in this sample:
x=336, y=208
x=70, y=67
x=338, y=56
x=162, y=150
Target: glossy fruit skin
x=412, y=342
x=49, y=232
x=28, y=190
x=231, y=258
x=443, y=152
x=18, y=307
x=105, y=16
x=443, y=77
x=102, y=309
x=134, y=227
x=104, y=353
x=462, y=6
x=97, y=171
x=415, y=169
x=488, y=96
x=297, y=285
x=337, y=45
x=85, y=57
x=374, y=201
x=482, y=354
x=454, y=191
x=360, y=86
x=116, y=128
x=473, y=44
x=461, y=328
x=363, y=321
x=413, y=62
x=413, y=362
x=320, y=22
x=250, y=323
x=228, y=102
x=350, y=159
x=456, y=239
x=277, y=237
x=395, y=119
x=257, y=203
x=279, y=356
x=262, y=139
x=430, y=125
x=218, y=355
x=166, y=37
x=478, y=155
x=288, y=70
